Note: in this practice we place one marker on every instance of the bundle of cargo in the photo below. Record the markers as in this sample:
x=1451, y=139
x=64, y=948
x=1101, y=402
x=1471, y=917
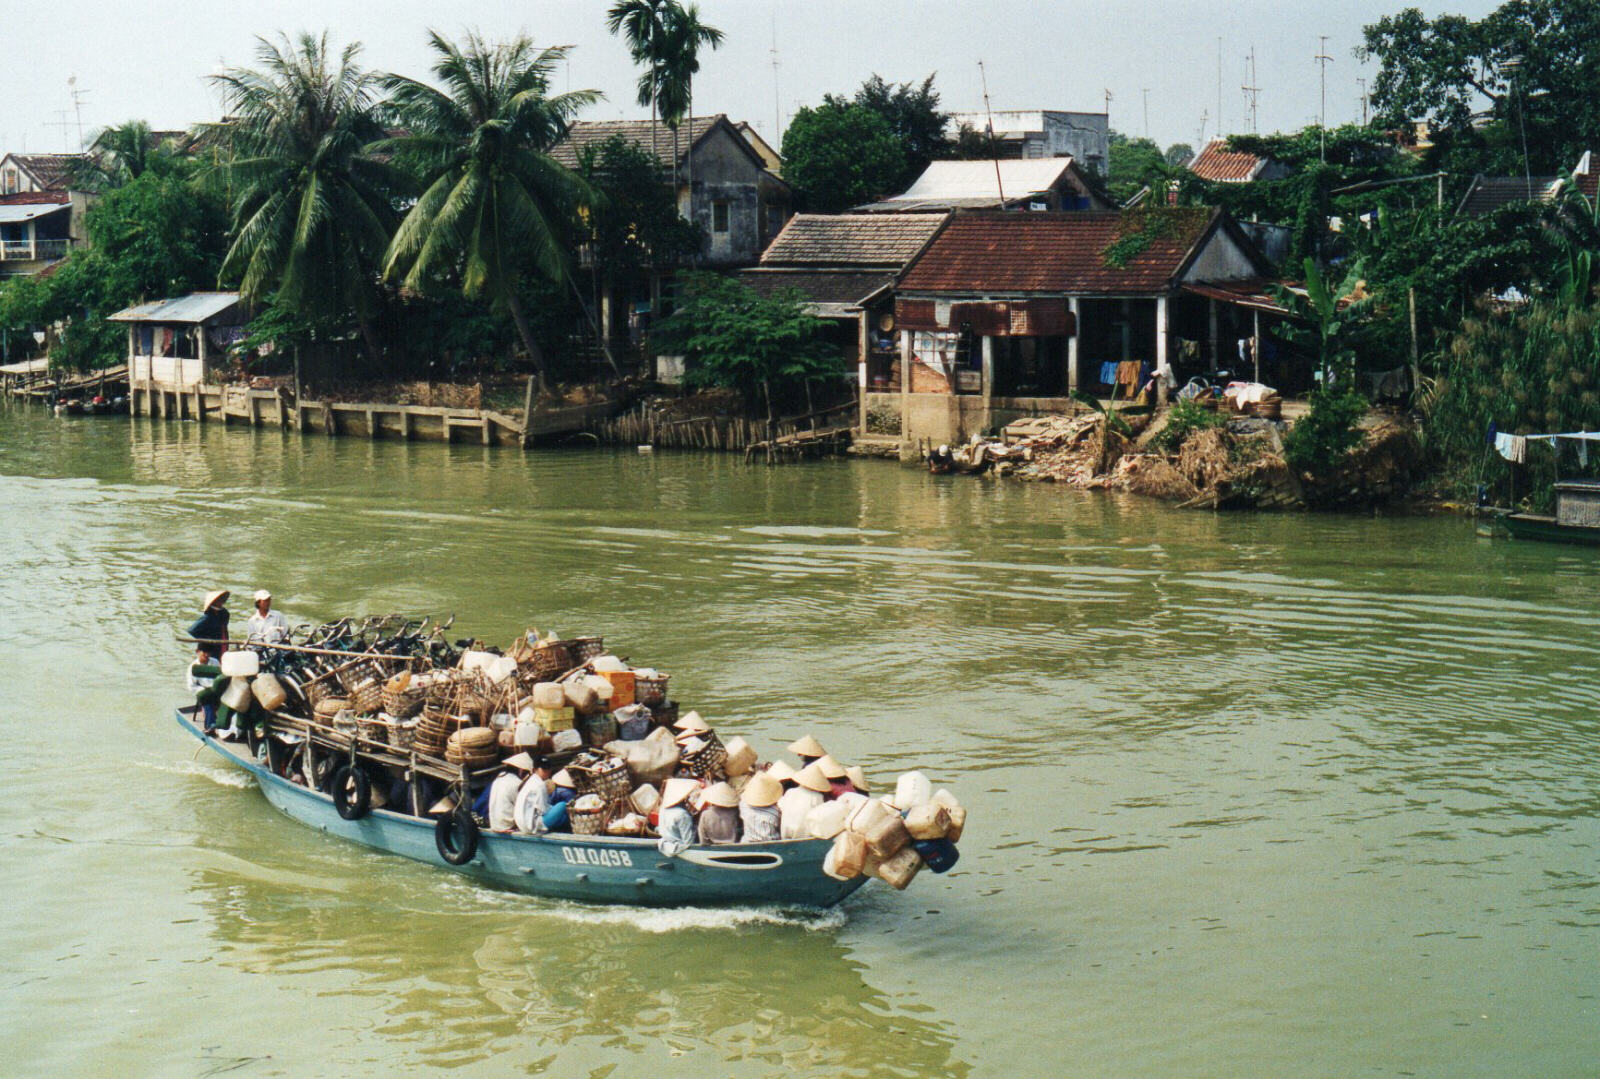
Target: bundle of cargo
x=475, y=747
x=891, y=838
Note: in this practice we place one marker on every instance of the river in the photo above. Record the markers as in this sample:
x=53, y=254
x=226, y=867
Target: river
x=1250, y=795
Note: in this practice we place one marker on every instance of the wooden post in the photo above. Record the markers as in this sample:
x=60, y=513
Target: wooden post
x=1216, y=333
x=1072, y=343
x=405, y=422
x=299, y=417
x=1162, y=369
x=1255, y=345
x=527, y=414
x=372, y=424
x=1416, y=370
x=199, y=405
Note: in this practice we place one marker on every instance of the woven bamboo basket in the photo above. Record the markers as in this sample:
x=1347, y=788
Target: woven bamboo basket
x=403, y=733
x=590, y=821
x=583, y=649
x=366, y=698
x=650, y=691
x=709, y=762
x=329, y=706
x=664, y=714
x=607, y=778
x=373, y=728
x=545, y=663
x=404, y=704
x=316, y=692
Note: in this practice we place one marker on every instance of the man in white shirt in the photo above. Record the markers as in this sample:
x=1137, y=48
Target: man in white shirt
x=504, y=790
x=266, y=626
x=533, y=800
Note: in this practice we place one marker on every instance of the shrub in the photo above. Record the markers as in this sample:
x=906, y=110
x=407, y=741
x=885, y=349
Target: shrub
x=1320, y=440
x=1185, y=419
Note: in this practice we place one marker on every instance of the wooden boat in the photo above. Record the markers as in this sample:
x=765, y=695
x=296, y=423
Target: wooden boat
x=598, y=869
x=1576, y=520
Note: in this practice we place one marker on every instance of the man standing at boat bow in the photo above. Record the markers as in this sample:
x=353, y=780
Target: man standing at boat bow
x=266, y=626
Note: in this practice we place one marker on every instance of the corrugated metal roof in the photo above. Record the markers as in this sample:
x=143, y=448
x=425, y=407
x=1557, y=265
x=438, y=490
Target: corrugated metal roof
x=195, y=307
x=950, y=181
x=1489, y=193
x=1054, y=253
x=1225, y=166
x=15, y=213
x=850, y=240
x=651, y=137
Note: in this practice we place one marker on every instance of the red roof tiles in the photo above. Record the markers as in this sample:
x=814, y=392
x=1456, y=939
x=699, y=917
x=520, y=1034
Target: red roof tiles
x=1058, y=252
x=36, y=198
x=1225, y=166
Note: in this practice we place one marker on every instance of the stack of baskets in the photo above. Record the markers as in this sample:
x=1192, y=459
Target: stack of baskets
x=373, y=728
x=434, y=729
x=475, y=747
x=543, y=663
x=664, y=714
x=587, y=815
x=707, y=761
x=606, y=776
x=583, y=649
x=328, y=706
x=650, y=689
x=406, y=701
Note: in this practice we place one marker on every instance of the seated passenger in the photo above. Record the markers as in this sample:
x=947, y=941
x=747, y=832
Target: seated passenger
x=677, y=823
x=811, y=790
x=758, y=809
x=533, y=800
x=719, y=815
x=504, y=790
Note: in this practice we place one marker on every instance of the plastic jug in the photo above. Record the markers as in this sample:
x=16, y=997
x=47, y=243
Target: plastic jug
x=243, y=664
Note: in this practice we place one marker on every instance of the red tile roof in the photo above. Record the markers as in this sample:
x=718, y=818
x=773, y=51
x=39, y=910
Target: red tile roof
x=655, y=138
x=1058, y=252
x=1225, y=166
x=48, y=170
x=851, y=240
x=35, y=198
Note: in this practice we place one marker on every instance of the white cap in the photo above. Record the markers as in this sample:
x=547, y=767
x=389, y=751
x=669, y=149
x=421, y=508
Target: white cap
x=261, y=594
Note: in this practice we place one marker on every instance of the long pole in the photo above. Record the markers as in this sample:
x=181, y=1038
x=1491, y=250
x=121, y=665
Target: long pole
x=1000, y=185
x=1323, y=60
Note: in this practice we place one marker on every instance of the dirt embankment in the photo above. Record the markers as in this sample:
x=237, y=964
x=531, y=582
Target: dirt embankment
x=1237, y=466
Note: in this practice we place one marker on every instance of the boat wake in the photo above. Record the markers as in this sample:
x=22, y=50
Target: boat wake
x=221, y=776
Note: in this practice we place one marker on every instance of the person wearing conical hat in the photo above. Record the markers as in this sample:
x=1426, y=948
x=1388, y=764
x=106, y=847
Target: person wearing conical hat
x=533, y=800
x=211, y=628
x=811, y=790
x=758, y=809
x=858, y=779
x=563, y=788
x=783, y=772
x=503, y=792
x=719, y=814
x=676, y=829
x=693, y=723
x=837, y=775
x=807, y=749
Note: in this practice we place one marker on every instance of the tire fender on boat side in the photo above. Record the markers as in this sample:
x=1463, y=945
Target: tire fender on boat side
x=456, y=836
x=352, y=792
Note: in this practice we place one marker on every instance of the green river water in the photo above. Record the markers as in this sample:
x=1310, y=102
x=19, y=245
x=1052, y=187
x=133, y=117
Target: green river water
x=1250, y=795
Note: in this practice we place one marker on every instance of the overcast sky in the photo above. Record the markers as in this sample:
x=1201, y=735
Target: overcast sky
x=148, y=59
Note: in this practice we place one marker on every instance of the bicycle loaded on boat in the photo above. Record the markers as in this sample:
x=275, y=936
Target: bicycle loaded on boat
x=552, y=768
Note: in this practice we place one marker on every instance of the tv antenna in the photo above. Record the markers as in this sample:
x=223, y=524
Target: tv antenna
x=1322, y=61
x=1252, y=92
x=63, y=123
x=999, y=184
x=1363, y=84
x=777, y=109
x=1146, y=93
x=1201, y=141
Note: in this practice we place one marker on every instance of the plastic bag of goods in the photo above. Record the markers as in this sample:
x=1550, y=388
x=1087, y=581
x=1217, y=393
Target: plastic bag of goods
x=653, y=758
x=598, y=729
x=846, y=858
x=741, y=757
x=627, y=824
x=831, y=818
x=633, y=722
x=881, y=827
x=476, y=661
x=646, y=799
x=608, y=665
x=899, y=869
x=958, y=814
x=912, y=790
x=549, y=695
x=928, y=821
x=568, y=741
x=939, y=854
x=269, y=691
x=241, y=664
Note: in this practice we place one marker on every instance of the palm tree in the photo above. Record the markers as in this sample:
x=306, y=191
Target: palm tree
x=118, y=154
x=643, y=25
x=679, y=62
x=495, y=203
x=313, y=212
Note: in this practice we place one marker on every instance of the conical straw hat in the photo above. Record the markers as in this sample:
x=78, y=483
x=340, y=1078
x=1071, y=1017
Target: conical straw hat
x=521, y=760
x=782, y=771
x=720, y=794
x=762, y=790
x=443, y=805
x=807, y=747
x=811, y=778
x=857, y=778
x=564, y=778
x=213, y=597
x=830, y=767
x=692, y=724
x=678, y=788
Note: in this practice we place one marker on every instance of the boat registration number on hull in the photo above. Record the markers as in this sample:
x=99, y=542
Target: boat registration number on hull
x=596, y=856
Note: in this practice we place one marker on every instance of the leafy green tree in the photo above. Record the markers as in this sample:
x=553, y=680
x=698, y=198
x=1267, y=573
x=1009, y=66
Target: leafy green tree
x=313, y=211
x=678, y=63
x=837, y=156
x=495, y=207
x=730, y=336
x=634, y=224
x=122, y=153
x=912, y=113
x=1325, y=316
x=1179, y=154
x=1133, y=164
x=643, y=26
x=1531, y=65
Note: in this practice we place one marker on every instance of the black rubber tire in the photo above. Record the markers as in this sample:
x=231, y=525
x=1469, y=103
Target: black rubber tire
x=352, y=792
x=322, y=779
x=456, y=836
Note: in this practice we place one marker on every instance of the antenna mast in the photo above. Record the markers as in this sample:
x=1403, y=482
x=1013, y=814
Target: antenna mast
x=1323, y=60
x=999, y=184
x=77, y=105
x=777, y=110
x=1252, y=92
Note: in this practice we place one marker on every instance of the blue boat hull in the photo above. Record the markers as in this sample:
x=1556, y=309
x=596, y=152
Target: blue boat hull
x=595, y=869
